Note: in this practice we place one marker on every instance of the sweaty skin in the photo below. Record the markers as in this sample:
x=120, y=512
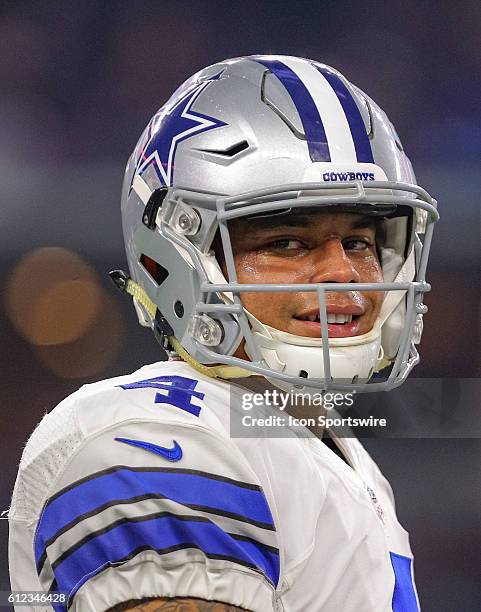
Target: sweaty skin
x=307, y=247
x=178, y=604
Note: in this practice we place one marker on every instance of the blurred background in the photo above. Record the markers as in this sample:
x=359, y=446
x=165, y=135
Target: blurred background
x=79, y=81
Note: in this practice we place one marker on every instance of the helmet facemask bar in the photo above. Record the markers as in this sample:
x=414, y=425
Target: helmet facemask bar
x=361, y=196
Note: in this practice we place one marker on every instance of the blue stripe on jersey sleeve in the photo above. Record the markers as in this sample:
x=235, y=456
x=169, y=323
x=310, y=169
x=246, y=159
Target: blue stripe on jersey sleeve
x=182, y=486
x=306, y=107
x=404, y=597
x=162, y=534
x=353, y=116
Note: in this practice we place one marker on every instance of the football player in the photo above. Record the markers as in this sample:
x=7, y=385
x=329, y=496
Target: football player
x=275, y=235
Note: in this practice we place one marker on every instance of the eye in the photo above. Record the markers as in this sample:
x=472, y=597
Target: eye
x=357, y=244
x=286, y=244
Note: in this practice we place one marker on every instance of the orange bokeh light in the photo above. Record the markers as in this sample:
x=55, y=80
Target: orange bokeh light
x=55, y=301
x=52, y=296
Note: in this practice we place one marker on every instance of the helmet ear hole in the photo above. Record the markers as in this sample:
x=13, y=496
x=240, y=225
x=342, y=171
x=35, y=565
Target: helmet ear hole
x=155, y=270
x=179, y=309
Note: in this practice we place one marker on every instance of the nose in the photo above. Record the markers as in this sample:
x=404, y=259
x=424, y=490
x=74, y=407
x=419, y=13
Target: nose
x=332, y=264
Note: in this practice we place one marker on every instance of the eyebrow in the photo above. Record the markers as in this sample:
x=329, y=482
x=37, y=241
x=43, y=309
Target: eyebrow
x=366, y=221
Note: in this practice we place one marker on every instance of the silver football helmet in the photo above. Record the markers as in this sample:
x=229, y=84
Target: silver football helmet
x=255, y=136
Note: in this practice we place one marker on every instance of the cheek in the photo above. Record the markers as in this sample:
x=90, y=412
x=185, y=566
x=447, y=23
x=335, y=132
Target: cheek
x=273, y=309
x=254, y=268
x=368, y=268
x=377, y=298
x=258, y=268
x=372, y=273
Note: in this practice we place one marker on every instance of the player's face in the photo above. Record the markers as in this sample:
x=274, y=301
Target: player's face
x=309, y=247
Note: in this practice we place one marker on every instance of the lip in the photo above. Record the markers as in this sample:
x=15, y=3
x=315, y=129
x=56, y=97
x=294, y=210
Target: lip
x=347, y=309
x=313, y=329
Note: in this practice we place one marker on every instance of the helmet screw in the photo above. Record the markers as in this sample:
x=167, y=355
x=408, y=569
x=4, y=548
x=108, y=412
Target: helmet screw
x=185, y=223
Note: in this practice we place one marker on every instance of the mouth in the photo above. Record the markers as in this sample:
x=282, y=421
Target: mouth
x=342, y=322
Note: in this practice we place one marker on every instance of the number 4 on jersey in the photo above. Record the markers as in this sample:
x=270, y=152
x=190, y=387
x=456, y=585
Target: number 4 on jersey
x=180, y=391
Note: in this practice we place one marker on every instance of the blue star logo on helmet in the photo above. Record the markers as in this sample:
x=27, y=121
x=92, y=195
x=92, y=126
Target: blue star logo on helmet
x=170, y=126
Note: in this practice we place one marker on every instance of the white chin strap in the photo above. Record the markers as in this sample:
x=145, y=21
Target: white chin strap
x=301, y=356
x=352, y=358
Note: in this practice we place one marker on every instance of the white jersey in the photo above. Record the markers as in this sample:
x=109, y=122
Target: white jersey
x=133, y=488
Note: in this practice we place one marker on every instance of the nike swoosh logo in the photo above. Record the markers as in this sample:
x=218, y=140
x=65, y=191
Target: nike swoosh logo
x=171, y=454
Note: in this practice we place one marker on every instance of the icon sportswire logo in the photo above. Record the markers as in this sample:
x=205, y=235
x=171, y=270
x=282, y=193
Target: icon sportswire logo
x=171, y=454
